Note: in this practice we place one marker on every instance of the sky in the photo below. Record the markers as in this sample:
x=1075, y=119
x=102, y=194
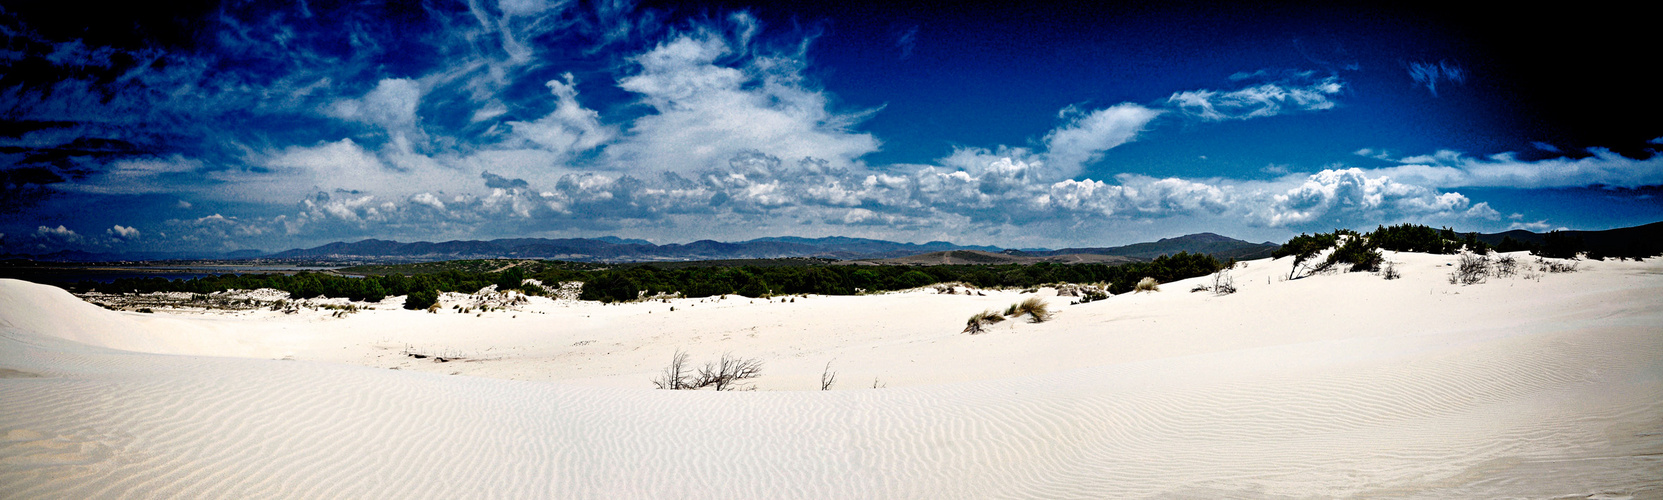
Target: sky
x=223, y=126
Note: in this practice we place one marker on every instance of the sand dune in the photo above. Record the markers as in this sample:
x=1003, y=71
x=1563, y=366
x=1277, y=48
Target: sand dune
x=1330, y=386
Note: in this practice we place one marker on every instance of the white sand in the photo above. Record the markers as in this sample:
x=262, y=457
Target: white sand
x=1330, y=386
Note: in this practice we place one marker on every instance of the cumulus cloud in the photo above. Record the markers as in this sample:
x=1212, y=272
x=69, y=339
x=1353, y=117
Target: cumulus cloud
x=1352, y=192
x=123, y=233
x=1294, y=92
x=428, y=200
x=1428, y=74
x=57, y=234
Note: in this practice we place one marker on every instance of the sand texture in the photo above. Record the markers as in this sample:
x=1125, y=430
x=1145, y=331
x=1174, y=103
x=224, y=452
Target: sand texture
x=1340, y=385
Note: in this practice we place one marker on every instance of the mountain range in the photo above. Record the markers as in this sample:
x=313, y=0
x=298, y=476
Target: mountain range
x=615, y=249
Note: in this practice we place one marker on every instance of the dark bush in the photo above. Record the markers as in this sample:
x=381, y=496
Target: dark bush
x=1359, y=252
x=1414, y=238
x=421, y=299
x=1559, y=245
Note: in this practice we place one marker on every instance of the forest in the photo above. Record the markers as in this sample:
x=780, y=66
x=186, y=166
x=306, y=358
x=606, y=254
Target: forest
x=632, y=281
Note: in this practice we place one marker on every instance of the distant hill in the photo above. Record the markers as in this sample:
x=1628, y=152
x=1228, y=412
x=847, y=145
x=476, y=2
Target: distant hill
x=611, y=249
x=967, y=257
x=1221, y=247
x=1637, y=240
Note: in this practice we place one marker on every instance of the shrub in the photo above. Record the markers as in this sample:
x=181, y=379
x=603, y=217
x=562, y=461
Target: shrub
x=1223, y=283
x=1147, y=284
x=1472, y=269
x=1037, y=310
x=1303, y=247
x=675, y=376
x=1414, y=238
x=421, y=299
x=1549, y=266
x=1559, y=245
x=723, y=373
x=1092, y=294
x=827, y=378
x=1010, y=311
x=1389, y=271
x=1506, y=266
x=1357, y=251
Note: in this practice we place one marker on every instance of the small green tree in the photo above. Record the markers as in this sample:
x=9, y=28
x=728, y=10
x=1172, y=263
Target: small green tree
x=421, y=299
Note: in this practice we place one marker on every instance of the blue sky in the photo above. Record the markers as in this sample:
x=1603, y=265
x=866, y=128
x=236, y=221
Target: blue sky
x=224, y=126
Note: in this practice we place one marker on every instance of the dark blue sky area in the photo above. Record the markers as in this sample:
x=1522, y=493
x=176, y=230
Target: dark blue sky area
x=219, y=126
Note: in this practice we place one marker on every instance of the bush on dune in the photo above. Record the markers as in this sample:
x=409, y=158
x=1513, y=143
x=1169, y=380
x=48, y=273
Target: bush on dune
x=421, y=299
x=721, y=375
x=1359, y=251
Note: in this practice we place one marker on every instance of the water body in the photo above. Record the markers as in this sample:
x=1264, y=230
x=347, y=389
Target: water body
x=66, y=275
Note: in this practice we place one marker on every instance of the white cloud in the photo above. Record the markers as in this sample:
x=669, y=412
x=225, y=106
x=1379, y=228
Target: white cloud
x=57, y=234
x=570, y=128
x=123, y=233
x=392, y=105
x=709, y=105
x=1086, y=136
x=1299, y=92
x=428, y=199
x=1451, y=169
x=1540, y=226
x=1352, y=192
x=1482, y=210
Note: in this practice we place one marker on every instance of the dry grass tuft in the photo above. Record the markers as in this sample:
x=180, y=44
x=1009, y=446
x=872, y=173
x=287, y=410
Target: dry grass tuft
x=981, y=319
x=1147, y=285
x=1037, y=310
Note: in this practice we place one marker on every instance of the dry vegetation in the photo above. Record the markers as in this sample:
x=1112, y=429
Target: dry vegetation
x=1037, y=310
x=1147, y=285
x=982, y=319
x=722, y=374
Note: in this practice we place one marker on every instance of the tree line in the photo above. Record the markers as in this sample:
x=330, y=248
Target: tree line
x=630, y=282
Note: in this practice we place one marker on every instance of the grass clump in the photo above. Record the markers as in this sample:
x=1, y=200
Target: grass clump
x=1147, y=284
x=982, y=319
x=1037, y=310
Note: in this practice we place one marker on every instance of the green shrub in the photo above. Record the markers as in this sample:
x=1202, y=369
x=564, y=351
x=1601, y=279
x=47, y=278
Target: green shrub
x=1359, y=252
x=1415, y=238
x=421, y=299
